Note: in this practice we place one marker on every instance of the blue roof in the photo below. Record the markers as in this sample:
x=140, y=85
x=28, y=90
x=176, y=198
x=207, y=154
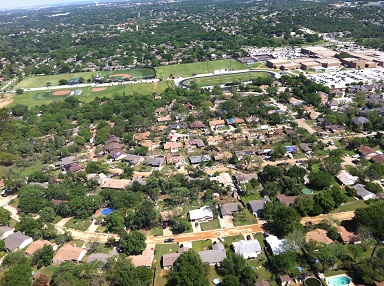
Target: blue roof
x=290, y=148
x=230, y=120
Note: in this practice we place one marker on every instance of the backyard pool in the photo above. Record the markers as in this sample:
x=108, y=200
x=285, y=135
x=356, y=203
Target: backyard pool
x=106, y=211
x=307, y=191
x=338, y=280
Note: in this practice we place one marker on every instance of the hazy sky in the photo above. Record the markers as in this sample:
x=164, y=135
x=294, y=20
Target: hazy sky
x=29, y=3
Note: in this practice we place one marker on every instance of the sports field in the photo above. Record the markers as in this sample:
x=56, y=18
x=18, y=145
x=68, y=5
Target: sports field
x=41, y=81
x=186, y=70
x=33, y=98
x=222, y=79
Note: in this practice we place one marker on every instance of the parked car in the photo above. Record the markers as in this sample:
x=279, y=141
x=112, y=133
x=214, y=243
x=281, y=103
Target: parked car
x=170, y=239
x=249, y=237
x=220, y=238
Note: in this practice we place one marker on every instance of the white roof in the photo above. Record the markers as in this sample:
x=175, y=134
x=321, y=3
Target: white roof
x=247, y=248
x=275, y=244
x=201, y=213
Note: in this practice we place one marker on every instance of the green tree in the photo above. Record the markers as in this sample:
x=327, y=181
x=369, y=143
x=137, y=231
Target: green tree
x=180, y=225
x=372, y=218
x=325, y=200
x=18, y=275
x=285, y=263
x=115, y=222
x=133, y=243
x=32, y=199
x=304, y=204
x=230, y=280
x=320, y=180
x=188, y=270
x=146, y=217
x=43, y=256
x=47, y=214
x=237, y=266
x=5, y=216
x=63, y=82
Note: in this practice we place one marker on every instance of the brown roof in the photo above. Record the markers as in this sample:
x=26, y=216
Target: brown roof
x=366, y=150
x=319, y=235
x=68, y=253
x=216, y=122
x=378, y=159
x=262, y=283
x=142, y=136
x=164, y=118
x=287, y=200
x=145, y=259
x=197, y=124
x=345, y=235
x=116, y=184
x=36, y=245
x=172, y=145
x=169, y=259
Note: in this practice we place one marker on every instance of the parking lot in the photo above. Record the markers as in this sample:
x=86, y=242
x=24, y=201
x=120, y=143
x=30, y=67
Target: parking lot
x=340, y=79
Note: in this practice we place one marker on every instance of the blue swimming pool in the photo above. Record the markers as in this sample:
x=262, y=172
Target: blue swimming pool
x=338, y=281
x=106, y=211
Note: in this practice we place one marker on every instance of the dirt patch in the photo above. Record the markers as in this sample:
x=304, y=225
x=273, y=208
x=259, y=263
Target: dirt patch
x=96, y=89
x=122, y=75
x=61, y=92
x=5, y=99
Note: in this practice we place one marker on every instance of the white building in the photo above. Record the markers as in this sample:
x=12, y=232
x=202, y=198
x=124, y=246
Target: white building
x=201, y=214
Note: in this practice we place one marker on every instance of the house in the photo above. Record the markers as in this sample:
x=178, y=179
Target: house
x=363, y=193
x=133, y=160
x=69, y=253
x=378, y=159
x=214, y=256
x=164, y=118
x=17, y=240
x=66, y=161
x=197, y=125
x=243, y=153
x=367, y=152
x=230, y=208
x=170, y=258
x=295, y=102
x=257, y=206
x=112, y=139
x=262, y=283
x=223, y=179
x=154, y=161
x=74, y=168
x=103, y=257
x=333, y=104
x=346, y=178
x=318, y=235
x=199, y=159
x=360, y=121
x=113, y=146
x=247, y=248
x=347, y=237
x=214, y=124
x=242, y=178
x=179, y=125
x=166, y=216
x=285, y=280
x=173, y=146
x=214, y=140
x=145, y=258
x=276, y=245
x=5, y=231
x=305, y=147
x=287, y=200
x=197, y=143
x=334, y=128
x=38, y=244
x=116, y=184
x=189, y=106
x=201, y=214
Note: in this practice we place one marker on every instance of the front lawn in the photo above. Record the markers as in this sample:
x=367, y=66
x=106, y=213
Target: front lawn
x=243, y=218
x=228, y=240
x=200, y=245
x=162, y=249
x=209, y=225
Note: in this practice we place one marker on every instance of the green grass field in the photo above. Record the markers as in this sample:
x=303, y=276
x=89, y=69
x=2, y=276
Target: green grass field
x=160, y=250
x=33, y=98
x=222, y=79
x=201, y=245
x=186, y=70
x=209, y=225
x=41, y=81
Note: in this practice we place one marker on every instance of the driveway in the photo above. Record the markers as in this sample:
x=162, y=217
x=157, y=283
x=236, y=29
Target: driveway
x=226, y=221
x=301, y=123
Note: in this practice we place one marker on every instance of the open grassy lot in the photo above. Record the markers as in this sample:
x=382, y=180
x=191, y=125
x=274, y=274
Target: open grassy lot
x=209, y=225
x=162, y=249
x=153, y=231
x=351, y=206
x=222, y=79
x=35, y=98
x=200, y=245
x=41, y=81
x=259, y=265
x=161, y=277
x=186, y=70
x=78, y=224
x=48, y=271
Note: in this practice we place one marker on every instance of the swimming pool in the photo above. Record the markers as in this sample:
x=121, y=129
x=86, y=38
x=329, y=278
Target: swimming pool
x=106, y=211
x=338, y=280
x=307, y=191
